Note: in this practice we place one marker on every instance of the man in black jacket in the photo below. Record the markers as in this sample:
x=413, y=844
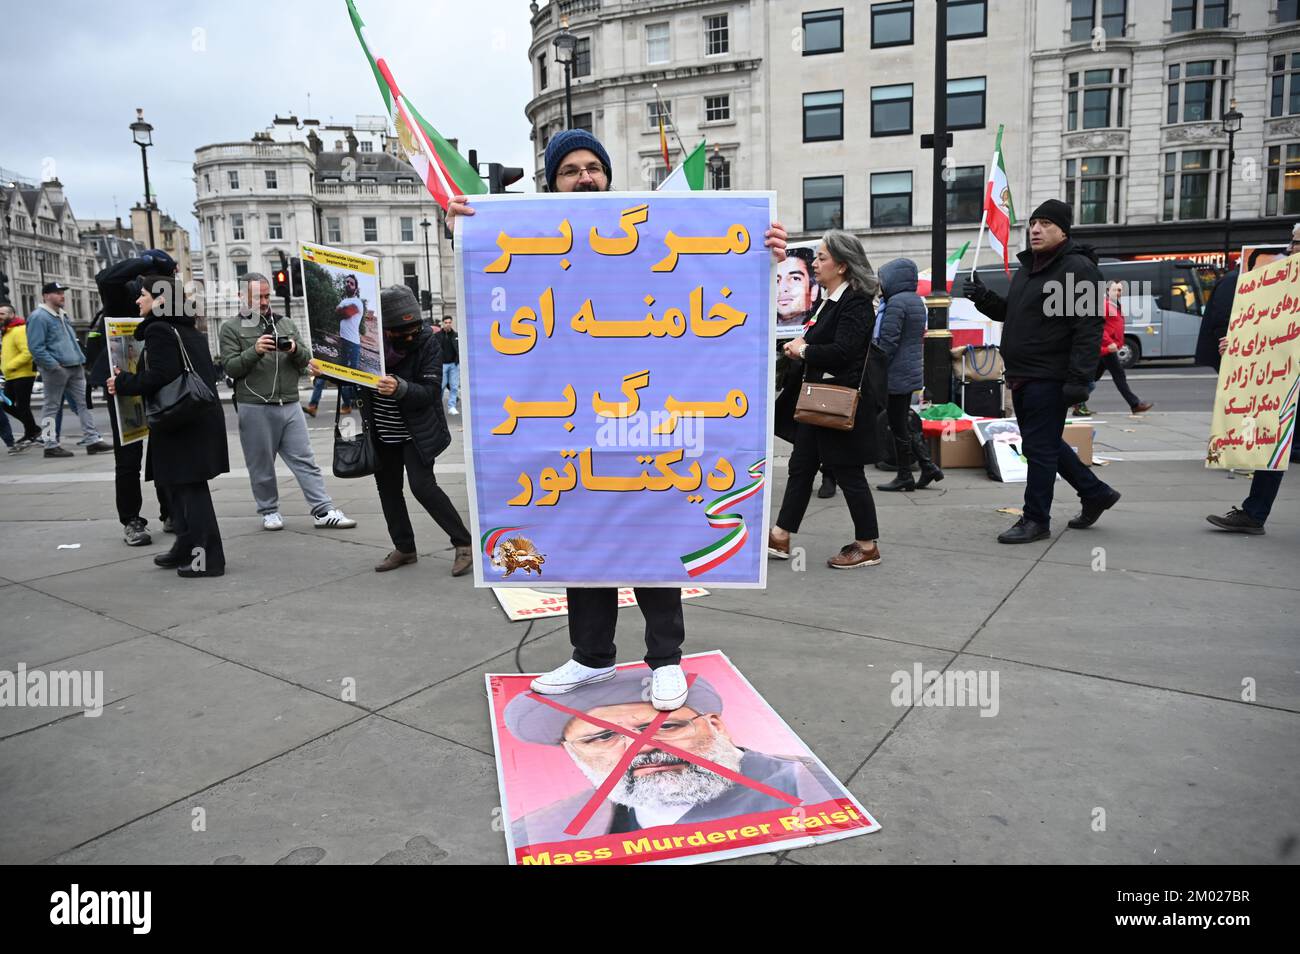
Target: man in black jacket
x=1053, y=318
x=450, y=343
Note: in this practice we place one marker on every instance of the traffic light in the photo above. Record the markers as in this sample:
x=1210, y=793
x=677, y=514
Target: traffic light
x=500, y=176
x=295, y=277
x=4, y=287
x=281, y=278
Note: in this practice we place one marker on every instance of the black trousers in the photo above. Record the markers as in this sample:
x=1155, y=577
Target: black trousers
x=127, y=461
x=593, y=615
x=20, y=392
x=804, y=462
x=1110, y=362
x=1040, y=414
x=196, y=528
x=393, y=459
x=896, y=411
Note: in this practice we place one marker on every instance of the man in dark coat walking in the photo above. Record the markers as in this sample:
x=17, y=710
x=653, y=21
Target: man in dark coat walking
x=1053, y=320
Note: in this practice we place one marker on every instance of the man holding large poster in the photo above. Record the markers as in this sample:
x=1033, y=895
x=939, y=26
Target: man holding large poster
x=597, y=540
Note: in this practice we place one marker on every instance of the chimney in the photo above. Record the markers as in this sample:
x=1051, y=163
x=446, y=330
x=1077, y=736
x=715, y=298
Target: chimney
x=54, y=191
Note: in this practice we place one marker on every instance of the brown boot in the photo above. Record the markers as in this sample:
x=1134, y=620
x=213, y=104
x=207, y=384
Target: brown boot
x=310, y=409
x=394, y=560
x=464, y=561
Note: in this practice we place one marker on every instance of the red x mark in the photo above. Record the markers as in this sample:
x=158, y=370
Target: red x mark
x=639, y=741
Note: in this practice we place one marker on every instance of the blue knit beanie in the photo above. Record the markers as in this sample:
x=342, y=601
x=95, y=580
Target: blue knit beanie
x=568, y=141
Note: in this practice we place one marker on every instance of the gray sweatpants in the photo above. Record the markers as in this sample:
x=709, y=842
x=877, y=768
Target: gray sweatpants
x=266, y=430
x=73, y=381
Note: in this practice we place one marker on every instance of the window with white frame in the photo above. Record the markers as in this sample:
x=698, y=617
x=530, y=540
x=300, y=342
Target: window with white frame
x=370, y=229
x=720, y=174
x=274, y=226
x=542, y=79
x=1196, y=91
x=207, y=182
x=237, y=226
x=333, y=229
x=241, y=269
x=365, y=146
x=1283, y=197
x=232, y=176
x=654, y=108
x=716, y=38
x=1089, y=15
x=408, y=228
x=582, y=57
x=272, y=179
x=657, y=43
x=1193, y=181
x=717, y=108
x=212, y=229
x=1187, y=15
x=657, y=175
x=409, y=277
x=1097, y=103
x=1092, y=188
x=1284, y=85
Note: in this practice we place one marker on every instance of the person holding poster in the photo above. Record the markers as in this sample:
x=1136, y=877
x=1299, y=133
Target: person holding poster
x=576, y=162
x=342, y=289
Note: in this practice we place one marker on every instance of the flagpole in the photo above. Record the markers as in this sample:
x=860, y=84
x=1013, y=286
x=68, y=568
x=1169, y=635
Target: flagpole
x=672, y=124
x=984, y=217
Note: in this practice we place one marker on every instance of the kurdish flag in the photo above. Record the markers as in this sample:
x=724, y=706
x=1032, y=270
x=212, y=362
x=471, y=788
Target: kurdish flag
x=444, y=171
x=689, y=176
x=999, y=214
x=953, y=263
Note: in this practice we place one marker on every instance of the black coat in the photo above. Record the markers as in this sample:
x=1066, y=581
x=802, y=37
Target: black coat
x=196, y=452
x=1062, y=346
x=837, y=351
x=114, y=284
x=1214, y=324
x=418, y=396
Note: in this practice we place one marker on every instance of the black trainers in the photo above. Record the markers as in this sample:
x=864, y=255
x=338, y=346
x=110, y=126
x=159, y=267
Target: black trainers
x=1092, y=509
x=1025, y=531
x=99, y=447
x=135, y=533
x=1237, y=521
x=58, y=452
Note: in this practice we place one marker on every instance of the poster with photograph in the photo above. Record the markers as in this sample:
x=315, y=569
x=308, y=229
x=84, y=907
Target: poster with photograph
x=124, y=354
x=1256, y=256
x=1003, y=449
x=797, y=291
x=721, y=777
x=342, y=290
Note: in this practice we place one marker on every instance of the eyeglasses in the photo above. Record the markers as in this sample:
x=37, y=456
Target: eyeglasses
x=672, y=732
x=575, y=172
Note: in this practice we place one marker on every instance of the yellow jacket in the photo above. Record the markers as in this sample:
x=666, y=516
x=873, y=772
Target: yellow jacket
x=15, y=359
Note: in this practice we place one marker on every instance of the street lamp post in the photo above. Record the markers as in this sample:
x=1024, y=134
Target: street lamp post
x=716, y=165
x=142, y=133
x=565, y=45
x=1231, y=125
x=428, y=270
x=40, y=261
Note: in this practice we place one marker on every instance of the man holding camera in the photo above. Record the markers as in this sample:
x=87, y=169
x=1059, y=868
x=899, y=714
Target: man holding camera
x=264, y=355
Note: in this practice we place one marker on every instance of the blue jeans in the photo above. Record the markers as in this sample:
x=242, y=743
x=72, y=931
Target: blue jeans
x=1040, y=413
x=316, y=390
x=6, y=432
x=451, y=382
x=350, y=355
x=58, y=418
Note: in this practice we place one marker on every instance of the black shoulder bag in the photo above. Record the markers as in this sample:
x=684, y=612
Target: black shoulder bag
x=353, y=458
x=181, y=400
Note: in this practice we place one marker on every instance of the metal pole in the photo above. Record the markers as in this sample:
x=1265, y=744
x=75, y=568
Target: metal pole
x=568, y=98
x=148, y=211
x=938, y=339
x=428, y=269
x=1227, y=221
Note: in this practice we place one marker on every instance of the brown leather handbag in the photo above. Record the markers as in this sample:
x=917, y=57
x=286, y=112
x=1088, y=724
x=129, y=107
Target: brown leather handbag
x=829, y=405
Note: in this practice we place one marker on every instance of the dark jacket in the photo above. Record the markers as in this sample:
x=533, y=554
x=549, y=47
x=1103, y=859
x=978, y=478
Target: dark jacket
x=1214, y=324
x=902, y=327
x=114, y=284
x=1055, y=347
x=418, y=396
x=449, y=342
x=194, y=453
x=837, y=352
x=270, y=378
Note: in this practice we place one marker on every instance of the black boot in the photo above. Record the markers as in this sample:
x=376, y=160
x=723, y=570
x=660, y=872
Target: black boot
x=827, y=489
x=929, y=469
x=903, y=480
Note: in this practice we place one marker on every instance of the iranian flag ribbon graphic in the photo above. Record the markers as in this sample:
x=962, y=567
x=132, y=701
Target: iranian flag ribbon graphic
x=719, y=552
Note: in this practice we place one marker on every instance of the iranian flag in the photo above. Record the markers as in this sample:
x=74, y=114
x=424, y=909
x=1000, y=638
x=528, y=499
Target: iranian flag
x=999, y=214
x=689, y=176
x=444, y=171
x=953, y=263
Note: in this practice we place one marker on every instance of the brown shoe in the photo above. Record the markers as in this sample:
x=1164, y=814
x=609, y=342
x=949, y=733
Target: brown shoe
x=854, y=556
x=776, y=549
x=1142, y=407
x=464, y=561
x=346, y=409
x=310, y=410
x=394, y=560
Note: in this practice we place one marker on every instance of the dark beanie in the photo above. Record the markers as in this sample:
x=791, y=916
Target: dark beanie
x=398, y=307
x=571, y=140
x=1056, y=212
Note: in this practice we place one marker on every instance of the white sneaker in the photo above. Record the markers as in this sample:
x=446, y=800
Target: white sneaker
x=272, y=521
x=572, y=675
x=335, y=519
x=668, y=688
x=453, y=412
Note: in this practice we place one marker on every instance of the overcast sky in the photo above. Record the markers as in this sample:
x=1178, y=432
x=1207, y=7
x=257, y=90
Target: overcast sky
x=208, y=72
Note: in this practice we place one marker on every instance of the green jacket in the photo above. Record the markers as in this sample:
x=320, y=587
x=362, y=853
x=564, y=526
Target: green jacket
x=270, y=378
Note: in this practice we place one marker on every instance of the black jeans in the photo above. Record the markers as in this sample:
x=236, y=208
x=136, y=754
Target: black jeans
x=593, y=615
x=804, y=462
x=127, y=460
x=896, y=410
x=1110, y=362
x=1263, y=491
x=1040, y=413
x=393, y=459
x=196, y=527
x=19, y=391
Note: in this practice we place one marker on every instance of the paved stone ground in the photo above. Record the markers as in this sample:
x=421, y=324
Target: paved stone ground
x=1119, y=689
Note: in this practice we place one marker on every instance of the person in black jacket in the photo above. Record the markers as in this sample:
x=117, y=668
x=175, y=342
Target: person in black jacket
x=450, y=344
x=834, y=351
x=1053, y=320
x=118, y=293
x=408, y=430
x=185, y=458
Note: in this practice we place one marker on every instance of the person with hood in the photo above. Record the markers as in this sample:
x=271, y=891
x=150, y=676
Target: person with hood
x=407, y=427
x=1050, y=341
x=900, y=337
x=576, y=161
x=185, y=457
x=19, y=373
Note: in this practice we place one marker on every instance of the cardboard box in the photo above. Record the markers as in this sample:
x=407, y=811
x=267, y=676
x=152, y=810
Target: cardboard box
x=963, y=450
x=1079, y=437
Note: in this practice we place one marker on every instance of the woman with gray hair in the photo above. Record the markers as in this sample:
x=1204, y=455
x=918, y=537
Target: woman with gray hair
x=834, y=351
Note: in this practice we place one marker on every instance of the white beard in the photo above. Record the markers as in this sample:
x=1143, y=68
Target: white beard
x=691, y=786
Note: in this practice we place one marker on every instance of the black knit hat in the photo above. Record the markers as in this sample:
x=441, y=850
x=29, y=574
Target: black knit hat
x=1056, y=212
x=399, y=307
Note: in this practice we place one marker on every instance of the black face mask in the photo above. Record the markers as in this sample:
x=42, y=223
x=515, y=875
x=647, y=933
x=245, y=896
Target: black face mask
x=403, y=344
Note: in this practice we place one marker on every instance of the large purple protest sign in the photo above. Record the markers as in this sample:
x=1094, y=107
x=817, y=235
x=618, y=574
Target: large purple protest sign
x=617, y=352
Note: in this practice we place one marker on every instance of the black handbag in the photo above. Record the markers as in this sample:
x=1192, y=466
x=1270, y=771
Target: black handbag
x=180, y=401
x=353, y=458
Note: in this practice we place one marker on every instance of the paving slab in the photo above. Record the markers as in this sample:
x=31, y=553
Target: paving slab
x=36, y=629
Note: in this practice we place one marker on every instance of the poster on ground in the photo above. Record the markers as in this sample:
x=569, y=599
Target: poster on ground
x=1003, y=449
x=521, y=602
x=124, y=354
x=1253, y=425
x=342, y=299
x=617, y=355
x=598, y=776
